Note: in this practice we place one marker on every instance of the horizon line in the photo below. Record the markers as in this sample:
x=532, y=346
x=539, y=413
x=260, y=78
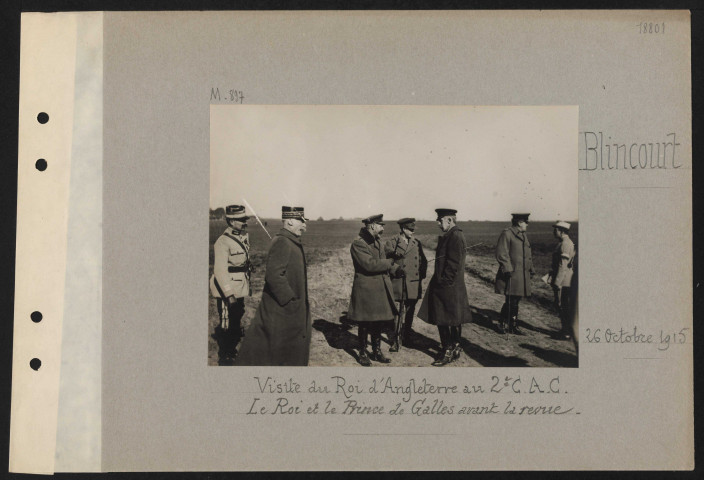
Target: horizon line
x=393, y=220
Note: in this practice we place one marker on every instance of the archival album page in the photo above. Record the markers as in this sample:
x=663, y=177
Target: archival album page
x=353, y=240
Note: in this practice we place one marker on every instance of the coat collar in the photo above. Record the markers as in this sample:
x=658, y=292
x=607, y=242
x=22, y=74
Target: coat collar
x=449, y=232
x=286, y=234
x=230, y=231
x=366, y=236
x=400, y=239
x=517, y=232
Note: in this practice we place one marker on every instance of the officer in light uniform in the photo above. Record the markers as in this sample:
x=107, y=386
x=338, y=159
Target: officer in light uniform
x=561, y=275
x=230, y=282
x=407, y=251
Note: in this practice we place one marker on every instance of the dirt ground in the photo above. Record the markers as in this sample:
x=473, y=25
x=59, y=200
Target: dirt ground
x=334, y=341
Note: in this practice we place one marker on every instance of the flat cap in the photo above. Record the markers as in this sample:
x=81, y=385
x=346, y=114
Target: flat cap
x=520, y=216
x=378, y=219
x=445, y=212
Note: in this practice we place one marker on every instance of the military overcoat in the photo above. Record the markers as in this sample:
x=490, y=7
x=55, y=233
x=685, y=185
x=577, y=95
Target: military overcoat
x=230, y=275
x=280, y=331
x=514, y=256
x=409, y=255
x=372, y=292
x=446, y=301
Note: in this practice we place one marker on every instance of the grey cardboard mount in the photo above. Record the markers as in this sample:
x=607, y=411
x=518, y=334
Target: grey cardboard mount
x=124, y=383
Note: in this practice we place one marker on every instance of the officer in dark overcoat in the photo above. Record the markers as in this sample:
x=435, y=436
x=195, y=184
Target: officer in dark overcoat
x=280, y=331
x=513, y=253
x=406, y=250
x=372, y=302
x=445, y=303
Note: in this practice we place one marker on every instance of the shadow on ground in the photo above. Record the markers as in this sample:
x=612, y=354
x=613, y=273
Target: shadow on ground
x=561, y=359
x=338, y=335
x=487, y=358
x=418, y=341
x=554, y=334
x=486, y=318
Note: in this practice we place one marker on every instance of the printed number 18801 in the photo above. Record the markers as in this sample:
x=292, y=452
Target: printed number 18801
x=650, y=27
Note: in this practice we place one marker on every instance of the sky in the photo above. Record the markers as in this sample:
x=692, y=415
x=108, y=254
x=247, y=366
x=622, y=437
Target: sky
x=403, y=161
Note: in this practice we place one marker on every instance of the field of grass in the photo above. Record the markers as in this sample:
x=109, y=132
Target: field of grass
x=326, y=245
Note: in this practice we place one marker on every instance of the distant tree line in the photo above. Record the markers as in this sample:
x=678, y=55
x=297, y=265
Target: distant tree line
x=217, y=213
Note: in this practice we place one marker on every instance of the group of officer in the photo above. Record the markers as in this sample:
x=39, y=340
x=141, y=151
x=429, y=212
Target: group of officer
x=280, y=331
x=513, y=252
x=386, y=287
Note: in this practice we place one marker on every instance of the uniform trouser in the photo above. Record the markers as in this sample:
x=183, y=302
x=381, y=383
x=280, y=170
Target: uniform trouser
x=565, y=310
x=449, y=335
x=229, y=338
x=373, y=328
x=408, y=319
x=510, y=309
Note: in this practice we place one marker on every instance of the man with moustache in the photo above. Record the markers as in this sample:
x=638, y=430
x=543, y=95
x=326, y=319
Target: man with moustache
x=406, y=251
x=372, y=302
x=445, y=303
x=515, y=259
x=280, y=331
x=230, y=281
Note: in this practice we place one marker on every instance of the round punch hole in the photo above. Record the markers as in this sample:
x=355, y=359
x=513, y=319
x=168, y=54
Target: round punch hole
x=35, y=363
x=36, y=317
x=42, y=118
x=40, y=164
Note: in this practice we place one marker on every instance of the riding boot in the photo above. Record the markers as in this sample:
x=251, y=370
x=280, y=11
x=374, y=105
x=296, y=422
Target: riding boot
x=456, y=335
x=502, y=318
x=363, y=357
x=408, y=323
x=445, y=359
x=395, y=344
x=394, y=337
x=376, y=349
x=513, y=326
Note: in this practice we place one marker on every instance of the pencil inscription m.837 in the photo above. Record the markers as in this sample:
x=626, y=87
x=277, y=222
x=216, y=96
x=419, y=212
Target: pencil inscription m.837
x=234, y=96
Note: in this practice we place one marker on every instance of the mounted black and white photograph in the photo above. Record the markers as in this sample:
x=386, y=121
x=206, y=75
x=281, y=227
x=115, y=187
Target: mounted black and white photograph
x=394, y=236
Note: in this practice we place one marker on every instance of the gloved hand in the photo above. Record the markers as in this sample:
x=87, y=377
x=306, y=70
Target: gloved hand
x=231, y=300
x=400, y=272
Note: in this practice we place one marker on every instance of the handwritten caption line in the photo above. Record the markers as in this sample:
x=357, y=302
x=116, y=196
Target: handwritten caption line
x=337, y=395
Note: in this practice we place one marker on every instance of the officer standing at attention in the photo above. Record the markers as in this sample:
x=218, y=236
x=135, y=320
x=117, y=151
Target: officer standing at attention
x=445, y=303
x=230, y=281
x=515, y=270
x=280, y=331
x=406, y=251
x=372, y=302
x=561, y=275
